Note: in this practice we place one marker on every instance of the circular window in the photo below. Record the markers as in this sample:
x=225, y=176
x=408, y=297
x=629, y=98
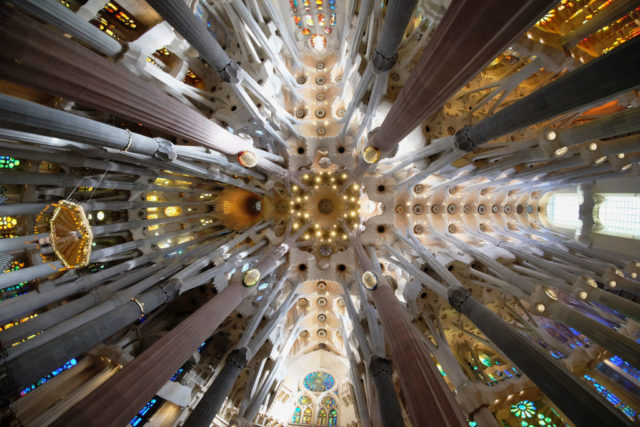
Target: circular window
x=319, y=382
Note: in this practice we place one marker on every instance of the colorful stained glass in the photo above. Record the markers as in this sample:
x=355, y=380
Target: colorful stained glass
x=306, y=3
x=333, y=19
x=7, y=222
x=306, y=31
x=328, y=401
x=304, y=400
x=306, y=418
x=8, y=162
x=298, y=21
x=318, y=382
x=328, y=30
x=611, y=398
x=70, y=364
x=333, y=417
x=309, y=20
x=524, y=409
x=146, y=412
x=321, y=20
x=297, y=414
x=318, y=42
x=293, y=4
x=322, y=417
x=484, y=359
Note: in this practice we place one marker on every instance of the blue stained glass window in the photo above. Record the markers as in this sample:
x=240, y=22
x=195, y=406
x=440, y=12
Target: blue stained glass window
x=333, y=417
x=297, y=414
x=146, y=412
x=612, y=398
x=318, y=382
x=70, y=364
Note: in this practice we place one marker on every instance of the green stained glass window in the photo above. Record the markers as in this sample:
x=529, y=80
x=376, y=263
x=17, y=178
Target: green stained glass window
x=524, y=409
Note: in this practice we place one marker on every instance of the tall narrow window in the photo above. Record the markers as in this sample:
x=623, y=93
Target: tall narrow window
x=322, y=417
x=620, y=215
x=562, y=210
x=306, y=418
x=297, y=413
x=333, y=417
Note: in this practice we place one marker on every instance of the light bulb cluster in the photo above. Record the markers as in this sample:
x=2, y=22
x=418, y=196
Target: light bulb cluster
x=324, y=204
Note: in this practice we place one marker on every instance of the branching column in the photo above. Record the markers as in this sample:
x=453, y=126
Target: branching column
x=118, y=399
x=467, y=38
x=42, y=58
x=581, y=404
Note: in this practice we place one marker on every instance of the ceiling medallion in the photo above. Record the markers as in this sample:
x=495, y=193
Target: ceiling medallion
x=247, y=159
x=322, y=302
x=370, y=280
x=323, y=205
x=251, y=277
x=322, y=317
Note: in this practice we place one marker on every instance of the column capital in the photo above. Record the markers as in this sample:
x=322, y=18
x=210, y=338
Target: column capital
x=230, y=73
x=379, y=365
x=238, y=357
x=382, y=63
x=457, y=296
x=463, y=140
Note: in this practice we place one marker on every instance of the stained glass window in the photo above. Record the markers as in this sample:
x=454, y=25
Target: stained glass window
x=7, y=222
x=306, y=31
x=328, y=401
x=306, y=418
x=304, y=400
x=318, y=382
x=8, y=162
x=562, y=210
x=321, y=20
x=333, y=417
x=309, y=20
x=333, y=19
x=298, y=21
x=524, y=409
x=322, y=417
x=146, y=412
x=296, y=416
x=620, y=215
x=611, y=398
x=484, y=359
x=70, y=364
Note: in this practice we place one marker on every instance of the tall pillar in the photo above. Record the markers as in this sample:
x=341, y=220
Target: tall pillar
x=395, y=23
x=62, y=17
x=28, y=116
x=545, y=303
x=35, y=363
x=467, y=38
x=118, y=399
x=603, y=17
x=211, y=402
x=581, y=404
x=40, y=57
x=603, y=78
x=382, y=374
x=427, y=397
